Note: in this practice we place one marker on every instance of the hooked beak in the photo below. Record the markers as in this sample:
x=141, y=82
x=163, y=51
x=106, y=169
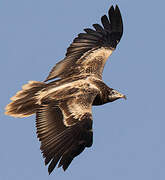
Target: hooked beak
x=124, y=96
x=116, y=96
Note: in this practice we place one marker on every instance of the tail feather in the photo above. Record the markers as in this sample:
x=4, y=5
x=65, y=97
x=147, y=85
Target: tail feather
x=24, y=102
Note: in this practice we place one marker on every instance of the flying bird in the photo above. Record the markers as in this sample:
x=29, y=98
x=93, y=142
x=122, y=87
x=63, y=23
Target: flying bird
x=63, y=106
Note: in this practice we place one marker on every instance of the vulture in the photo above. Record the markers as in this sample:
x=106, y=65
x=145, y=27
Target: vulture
x=63, y=102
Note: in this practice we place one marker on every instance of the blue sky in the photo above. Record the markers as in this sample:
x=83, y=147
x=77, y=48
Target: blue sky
x=129, y=136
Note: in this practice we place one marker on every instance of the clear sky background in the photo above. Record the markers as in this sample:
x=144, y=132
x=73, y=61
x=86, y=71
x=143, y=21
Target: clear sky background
x=129, y=136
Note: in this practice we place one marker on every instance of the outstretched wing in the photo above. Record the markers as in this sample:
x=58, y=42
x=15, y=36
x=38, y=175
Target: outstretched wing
x=90, y=50
x=64, y=128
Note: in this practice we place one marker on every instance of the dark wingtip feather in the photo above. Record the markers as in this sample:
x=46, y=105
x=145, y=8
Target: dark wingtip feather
x=53, y=164
x=66, y=165
x=117, y=9
x=116, y=6
x=90, y=31
x=111, y=11
x=118, y=13
x=106, y=23
x=119, y=19
x=98, y=28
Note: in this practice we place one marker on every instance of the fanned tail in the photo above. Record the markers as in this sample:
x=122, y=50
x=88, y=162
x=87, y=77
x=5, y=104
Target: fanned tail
x=24, y=102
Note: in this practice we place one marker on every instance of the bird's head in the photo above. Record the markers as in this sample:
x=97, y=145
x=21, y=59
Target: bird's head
x=114, y=95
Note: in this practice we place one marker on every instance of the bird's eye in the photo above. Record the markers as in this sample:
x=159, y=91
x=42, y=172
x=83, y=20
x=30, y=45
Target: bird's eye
x=113, y=92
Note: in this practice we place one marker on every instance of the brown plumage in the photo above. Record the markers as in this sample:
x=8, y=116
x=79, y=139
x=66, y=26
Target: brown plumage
x=63, y=106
